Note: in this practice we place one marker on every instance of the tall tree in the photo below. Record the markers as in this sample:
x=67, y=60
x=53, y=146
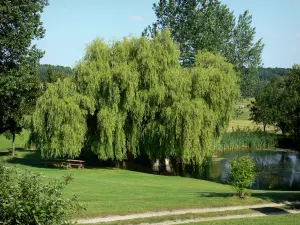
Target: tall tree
x=268, y=104
x=209, y=25
x=143, y=101
x=279, y=104
x=19, y=25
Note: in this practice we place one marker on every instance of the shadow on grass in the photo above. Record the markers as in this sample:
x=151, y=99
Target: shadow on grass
x=4, y=153
x=271, y=210
x=273, y=196
x=33, y=158
x=28, y=158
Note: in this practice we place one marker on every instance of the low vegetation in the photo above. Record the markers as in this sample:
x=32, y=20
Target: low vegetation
x=242, y=173
x=248, y=139
x=26, y=200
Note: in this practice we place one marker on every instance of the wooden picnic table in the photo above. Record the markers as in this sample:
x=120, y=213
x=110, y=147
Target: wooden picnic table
x=73, y=162
x=68, y=163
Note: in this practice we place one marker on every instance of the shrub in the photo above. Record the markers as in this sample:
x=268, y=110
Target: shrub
x=25, y=198
x=242, y=173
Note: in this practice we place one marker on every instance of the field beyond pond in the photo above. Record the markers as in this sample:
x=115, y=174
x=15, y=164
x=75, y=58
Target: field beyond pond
x=112, y=191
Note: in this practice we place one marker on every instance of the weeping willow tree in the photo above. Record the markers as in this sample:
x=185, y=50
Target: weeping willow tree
x=59, y=121
x=126, y=83
x=138, y=99
x=145, y=101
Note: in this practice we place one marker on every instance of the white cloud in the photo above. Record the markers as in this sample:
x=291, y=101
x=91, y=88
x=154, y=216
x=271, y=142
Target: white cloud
x=136, y=18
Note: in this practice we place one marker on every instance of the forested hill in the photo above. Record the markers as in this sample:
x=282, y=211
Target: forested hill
x=46, y=69
x=267, y=74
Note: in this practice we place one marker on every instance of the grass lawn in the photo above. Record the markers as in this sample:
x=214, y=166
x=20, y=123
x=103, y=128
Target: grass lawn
x=112, y=191
x=243, y=121
x=289, y=219
x=19, y=142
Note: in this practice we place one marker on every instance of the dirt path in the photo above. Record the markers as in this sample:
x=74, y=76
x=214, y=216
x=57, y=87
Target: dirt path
x=221, y=218
x=184, y=211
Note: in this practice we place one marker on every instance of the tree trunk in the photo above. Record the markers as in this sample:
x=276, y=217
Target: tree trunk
x=13, y=144
x=265, y=127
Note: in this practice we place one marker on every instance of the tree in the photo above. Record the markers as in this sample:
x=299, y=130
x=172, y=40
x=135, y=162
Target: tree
x=279, y=104
x=209, y=25
x=143, y=102
x=292, y=101
x=268, y=104
x=19, y=25
x=59, y=121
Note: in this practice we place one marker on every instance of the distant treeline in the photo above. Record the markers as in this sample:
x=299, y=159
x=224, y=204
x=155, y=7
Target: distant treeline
x=46, y=70
x=267, y=74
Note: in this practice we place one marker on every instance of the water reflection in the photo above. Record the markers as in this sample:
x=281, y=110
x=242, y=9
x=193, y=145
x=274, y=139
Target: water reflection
x=277, y=169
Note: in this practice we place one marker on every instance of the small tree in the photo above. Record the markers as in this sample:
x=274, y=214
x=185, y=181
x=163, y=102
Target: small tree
x=269, y=104
x=26, y=199
x=241, y=175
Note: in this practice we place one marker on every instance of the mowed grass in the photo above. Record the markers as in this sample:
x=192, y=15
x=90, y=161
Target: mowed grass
x=197, y=216
x=118, y=192
x=19, y=142
x=289, y=219
x=243, y=121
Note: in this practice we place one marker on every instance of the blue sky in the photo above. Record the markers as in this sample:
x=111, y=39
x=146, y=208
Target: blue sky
x=72, y=24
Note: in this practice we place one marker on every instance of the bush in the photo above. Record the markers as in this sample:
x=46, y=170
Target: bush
x=26, y=199
x=242, y=173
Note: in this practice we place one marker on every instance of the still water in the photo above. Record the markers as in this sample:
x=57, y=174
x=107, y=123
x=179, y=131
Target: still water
x=277, y=169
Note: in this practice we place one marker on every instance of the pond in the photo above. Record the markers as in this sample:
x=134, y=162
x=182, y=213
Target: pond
x=278, y=169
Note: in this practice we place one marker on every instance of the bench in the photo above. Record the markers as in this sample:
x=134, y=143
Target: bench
x=73, y=162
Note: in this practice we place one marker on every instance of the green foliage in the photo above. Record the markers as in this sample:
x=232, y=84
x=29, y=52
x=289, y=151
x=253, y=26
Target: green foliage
x=242, y=174
x=140, y=99
x=144, y=98
x=19, y=88
x=248, y=139
x=26, y=199
x=210, y=25
x=59, y=121
x=47, y=70
x=279, y=104
x=268, y=74
x=269, y=103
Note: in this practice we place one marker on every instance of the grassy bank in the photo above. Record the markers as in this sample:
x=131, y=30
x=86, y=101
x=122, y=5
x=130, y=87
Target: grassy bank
x=112, y=191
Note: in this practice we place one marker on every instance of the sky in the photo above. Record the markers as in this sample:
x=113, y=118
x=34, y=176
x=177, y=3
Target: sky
x=72, y=24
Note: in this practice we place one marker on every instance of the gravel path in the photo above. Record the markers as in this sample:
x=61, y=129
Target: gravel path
x=185, y=211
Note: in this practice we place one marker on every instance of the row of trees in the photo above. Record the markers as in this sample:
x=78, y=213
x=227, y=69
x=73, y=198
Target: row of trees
x=279, y=104
x=268, y=74
x=134, y=97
